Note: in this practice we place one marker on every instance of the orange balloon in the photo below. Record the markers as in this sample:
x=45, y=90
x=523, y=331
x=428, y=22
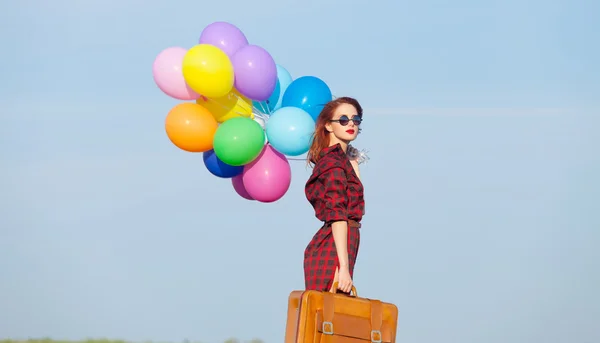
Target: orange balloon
x=191, y=127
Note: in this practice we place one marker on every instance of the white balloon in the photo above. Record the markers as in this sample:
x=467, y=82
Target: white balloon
x=263, y=124
x=260, y=120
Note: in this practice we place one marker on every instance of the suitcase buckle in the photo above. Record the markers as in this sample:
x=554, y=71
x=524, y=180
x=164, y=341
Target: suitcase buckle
x=376, y=336
x=325, y=325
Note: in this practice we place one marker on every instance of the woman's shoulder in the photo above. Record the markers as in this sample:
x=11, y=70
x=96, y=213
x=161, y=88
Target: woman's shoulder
x=330, y=158
x=334, y=153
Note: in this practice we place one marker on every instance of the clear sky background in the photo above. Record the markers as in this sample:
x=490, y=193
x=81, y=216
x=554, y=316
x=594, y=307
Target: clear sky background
x=483, y=188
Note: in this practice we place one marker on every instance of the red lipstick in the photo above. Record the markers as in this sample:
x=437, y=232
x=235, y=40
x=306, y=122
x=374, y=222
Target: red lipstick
x=350, y=131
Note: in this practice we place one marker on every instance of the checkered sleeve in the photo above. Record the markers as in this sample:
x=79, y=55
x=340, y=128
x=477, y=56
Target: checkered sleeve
x=336, y=194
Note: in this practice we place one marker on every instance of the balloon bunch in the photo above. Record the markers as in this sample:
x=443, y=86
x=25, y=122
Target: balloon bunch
x=244, y=112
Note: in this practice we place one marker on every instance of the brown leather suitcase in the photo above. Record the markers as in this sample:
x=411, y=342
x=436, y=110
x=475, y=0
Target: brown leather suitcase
x=329, y=317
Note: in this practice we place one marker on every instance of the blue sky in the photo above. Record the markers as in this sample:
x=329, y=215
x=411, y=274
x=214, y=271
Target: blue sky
x=482, y=189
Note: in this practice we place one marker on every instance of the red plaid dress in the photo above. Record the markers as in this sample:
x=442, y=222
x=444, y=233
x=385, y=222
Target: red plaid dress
x=336, y=193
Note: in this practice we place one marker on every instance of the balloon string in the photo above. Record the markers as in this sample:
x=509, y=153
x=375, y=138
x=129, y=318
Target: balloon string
x=265, y=107
x=262, y=108
x=259, y=112
x=239, y=97
x=211, y=100
x=261, y=116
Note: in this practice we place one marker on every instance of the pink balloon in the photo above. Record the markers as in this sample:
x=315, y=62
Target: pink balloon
x=268, y=177
x=238, y=185
x=169, y=76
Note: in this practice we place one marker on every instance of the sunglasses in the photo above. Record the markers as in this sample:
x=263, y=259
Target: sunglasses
x=344, y=120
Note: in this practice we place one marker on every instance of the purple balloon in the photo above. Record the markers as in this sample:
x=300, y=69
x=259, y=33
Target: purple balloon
x=238, y=185
x=224, y=36
x=255, y=72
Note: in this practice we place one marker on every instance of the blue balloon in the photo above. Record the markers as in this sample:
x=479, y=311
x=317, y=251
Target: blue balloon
x=290, y=130
x=219, y=168
x=284, y=78
x=308, y=93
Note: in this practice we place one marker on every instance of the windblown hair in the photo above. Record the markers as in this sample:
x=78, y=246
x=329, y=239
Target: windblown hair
x=320, y=139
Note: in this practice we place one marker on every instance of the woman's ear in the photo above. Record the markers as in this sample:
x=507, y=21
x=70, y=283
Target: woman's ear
x=328, y=128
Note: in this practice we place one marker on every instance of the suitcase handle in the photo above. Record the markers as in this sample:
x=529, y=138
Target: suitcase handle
x=334, y=289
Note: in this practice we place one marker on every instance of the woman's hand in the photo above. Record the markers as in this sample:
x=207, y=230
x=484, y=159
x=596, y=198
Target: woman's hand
x=340, y=237
x=344, y=280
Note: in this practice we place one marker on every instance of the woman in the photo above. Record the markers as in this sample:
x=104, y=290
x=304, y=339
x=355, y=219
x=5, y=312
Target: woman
x=336, y=193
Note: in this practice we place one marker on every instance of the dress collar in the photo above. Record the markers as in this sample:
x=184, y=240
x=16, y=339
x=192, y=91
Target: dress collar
x=335, y=149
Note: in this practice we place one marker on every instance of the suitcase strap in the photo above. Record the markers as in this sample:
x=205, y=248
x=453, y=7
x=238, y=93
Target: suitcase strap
x=329, y=312
x=376, y=321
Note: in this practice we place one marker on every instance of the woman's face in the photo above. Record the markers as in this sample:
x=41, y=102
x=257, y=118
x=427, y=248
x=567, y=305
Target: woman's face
x=342, y=124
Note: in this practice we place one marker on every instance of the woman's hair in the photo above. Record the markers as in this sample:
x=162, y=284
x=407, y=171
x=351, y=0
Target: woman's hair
x=320, y=139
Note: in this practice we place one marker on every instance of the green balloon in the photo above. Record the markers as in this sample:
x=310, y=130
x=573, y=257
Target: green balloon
x=238, y=141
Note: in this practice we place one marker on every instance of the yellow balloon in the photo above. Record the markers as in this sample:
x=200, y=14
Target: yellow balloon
x=208, y=70
x=229, y=106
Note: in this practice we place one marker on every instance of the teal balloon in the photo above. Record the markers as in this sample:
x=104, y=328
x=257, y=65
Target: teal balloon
x=290, y=130
x=284, y=79
x=308, y=93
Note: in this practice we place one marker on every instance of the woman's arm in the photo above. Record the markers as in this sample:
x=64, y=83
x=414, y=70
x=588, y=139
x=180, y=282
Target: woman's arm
x=354, y=164
x=340, y=237
x=336, y=213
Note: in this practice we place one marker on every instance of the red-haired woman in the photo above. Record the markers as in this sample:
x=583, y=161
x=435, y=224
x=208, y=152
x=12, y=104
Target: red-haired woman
x=336, y=193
